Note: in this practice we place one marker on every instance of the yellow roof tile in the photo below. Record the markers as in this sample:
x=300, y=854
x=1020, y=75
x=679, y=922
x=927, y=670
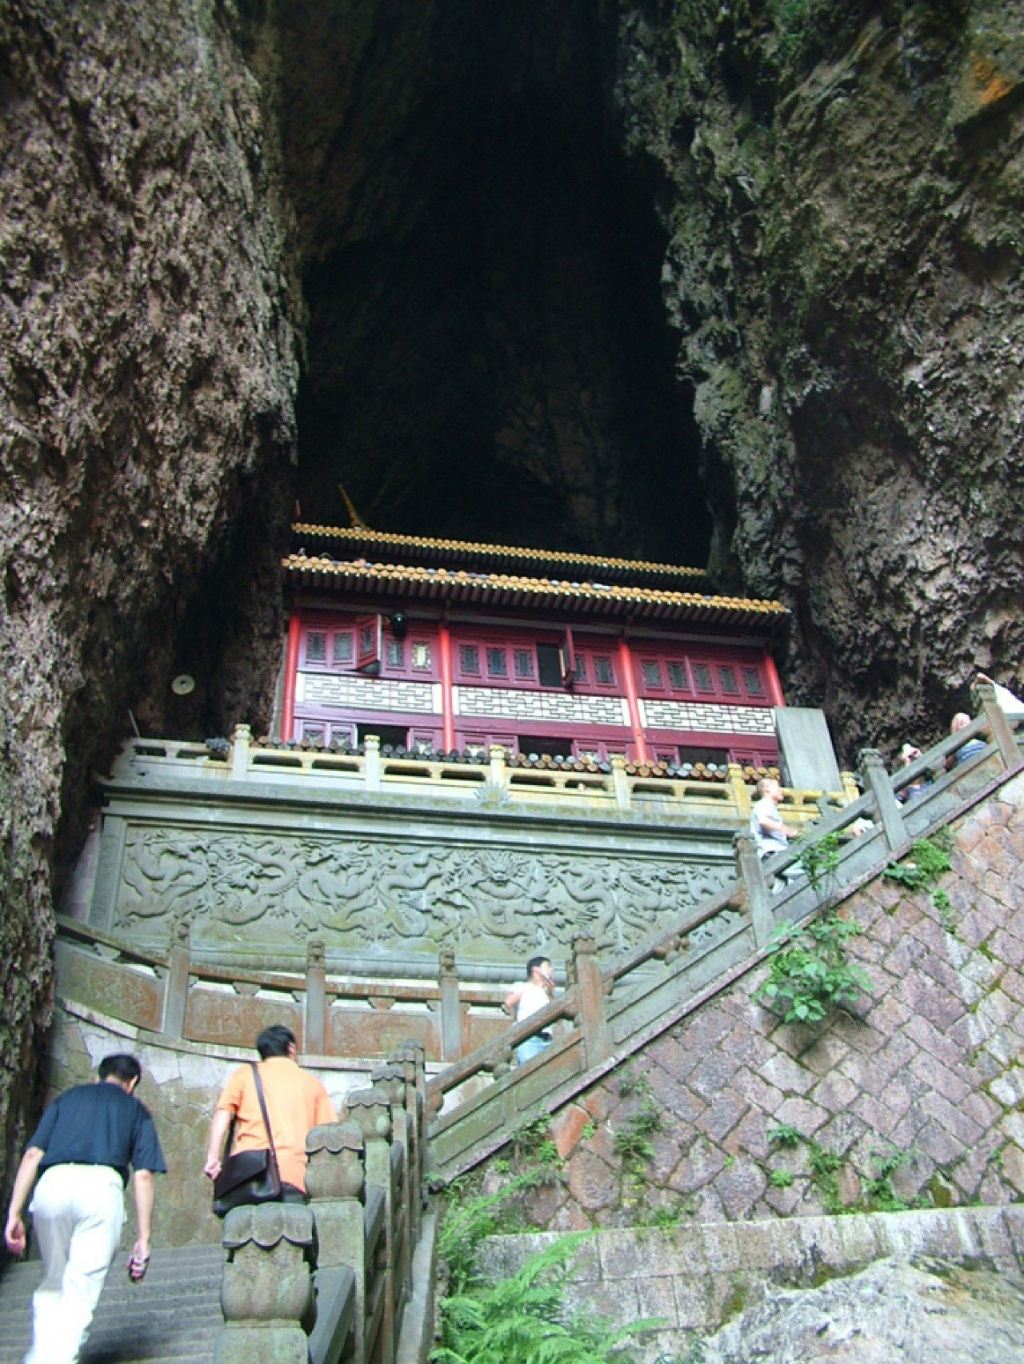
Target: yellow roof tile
x=597, y=561
x=465, y=581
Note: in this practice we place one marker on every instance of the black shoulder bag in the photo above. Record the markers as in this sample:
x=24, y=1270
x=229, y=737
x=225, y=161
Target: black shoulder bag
x=249, y=1176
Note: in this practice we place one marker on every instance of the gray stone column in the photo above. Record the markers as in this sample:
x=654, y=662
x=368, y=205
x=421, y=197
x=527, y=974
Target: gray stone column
x=176, y=981
x=335, y=1181
x=451, y=1009
x=879, y=784
x=370, y=1110
x=267, y=1287
x=590, y=1012
x=751, y=873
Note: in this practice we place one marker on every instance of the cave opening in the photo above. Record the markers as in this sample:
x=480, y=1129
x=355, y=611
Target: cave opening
x=488, y=354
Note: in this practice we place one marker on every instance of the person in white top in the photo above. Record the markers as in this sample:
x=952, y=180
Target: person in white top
x=766, y=827
x=526, y=999
x=768, y=831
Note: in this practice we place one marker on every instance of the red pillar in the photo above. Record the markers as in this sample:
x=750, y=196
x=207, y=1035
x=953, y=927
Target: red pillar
x=774, y=685
x=291, y=668
x=444, y=640
x=629, y=678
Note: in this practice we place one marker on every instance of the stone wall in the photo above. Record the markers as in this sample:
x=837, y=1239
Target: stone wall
x=916, y=1097
x=692, y=1279
x=179, y=1086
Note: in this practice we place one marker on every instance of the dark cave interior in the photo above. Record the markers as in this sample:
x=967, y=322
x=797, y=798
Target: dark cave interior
x=488, y=355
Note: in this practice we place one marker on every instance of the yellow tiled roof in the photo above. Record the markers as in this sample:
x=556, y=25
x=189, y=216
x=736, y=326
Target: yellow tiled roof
x=591, y=561
x=513, y=590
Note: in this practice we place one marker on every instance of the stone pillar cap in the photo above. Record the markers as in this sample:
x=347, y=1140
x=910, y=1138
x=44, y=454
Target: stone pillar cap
x=265, y=1224
x=334, y=1137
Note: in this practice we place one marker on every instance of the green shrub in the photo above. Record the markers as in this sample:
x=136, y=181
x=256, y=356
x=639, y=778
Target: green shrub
x=922, y=866
x=809, y=974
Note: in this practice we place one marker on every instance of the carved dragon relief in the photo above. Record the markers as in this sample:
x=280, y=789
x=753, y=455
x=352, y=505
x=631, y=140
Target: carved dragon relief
x=364, y=895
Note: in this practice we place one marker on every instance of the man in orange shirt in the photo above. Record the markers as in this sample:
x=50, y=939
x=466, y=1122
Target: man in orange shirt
x=295, y=1103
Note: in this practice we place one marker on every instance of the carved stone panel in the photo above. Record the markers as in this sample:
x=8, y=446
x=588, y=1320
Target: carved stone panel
x=239, y=889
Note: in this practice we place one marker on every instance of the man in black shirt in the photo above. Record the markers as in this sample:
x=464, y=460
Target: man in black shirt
x=82, y=1150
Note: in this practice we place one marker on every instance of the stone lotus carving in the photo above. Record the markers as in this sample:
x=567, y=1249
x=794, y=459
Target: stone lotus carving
x=369, y=1110
x=274, y=1286
x=336, y=1166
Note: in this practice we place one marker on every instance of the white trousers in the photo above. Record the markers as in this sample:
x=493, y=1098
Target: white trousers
x=77, y=1216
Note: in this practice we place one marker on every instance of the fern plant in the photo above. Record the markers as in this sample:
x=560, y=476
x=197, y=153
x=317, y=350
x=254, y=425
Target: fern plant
x=518, y=1320
x=521, y=1319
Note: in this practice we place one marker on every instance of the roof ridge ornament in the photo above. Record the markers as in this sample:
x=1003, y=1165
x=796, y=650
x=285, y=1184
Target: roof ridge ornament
x=355, y=520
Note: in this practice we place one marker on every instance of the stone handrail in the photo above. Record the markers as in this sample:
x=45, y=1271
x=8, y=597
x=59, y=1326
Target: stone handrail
x=476, y=1103
x=330, y=1017
x=496, y=782
x=330, y=1282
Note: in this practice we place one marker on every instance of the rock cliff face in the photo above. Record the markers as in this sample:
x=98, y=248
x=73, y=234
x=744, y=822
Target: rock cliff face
x=148, y=359
x=627, y=276
x=843, y=186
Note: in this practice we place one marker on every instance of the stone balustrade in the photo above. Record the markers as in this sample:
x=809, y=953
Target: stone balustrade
x=614, y=786
x=330, y=1282
x=178, y=998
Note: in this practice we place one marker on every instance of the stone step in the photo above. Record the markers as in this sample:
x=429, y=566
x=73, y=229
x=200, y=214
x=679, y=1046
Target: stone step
x=173, y=1315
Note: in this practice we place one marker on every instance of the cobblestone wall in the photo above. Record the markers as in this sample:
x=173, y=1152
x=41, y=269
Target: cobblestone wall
x=915, y=1099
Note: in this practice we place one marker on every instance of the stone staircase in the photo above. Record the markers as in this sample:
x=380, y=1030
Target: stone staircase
x=609, y=1014
x=174, y=1314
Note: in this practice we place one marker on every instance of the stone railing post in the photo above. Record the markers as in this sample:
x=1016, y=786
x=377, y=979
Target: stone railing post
x=879, y=784
x=739, y=791
x=451, y=1010
x=179, y=958
x=620, y=783
x=1002, y=735
x=241, y=742
x=751, y=873
x=370, y=1110
x=335, y=1180
x=498, y=775
x=371, y=762
x=411, y=1057
x=589, y=988
x=314, y=1028
x=390, y=1078
x=267, y=1289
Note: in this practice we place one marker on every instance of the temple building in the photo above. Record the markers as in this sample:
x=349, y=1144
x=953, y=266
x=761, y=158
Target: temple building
x=439, y=646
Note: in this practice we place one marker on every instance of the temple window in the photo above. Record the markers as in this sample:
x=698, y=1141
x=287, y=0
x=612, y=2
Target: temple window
x=469, y=659
x=420, y=654
x=523, y=663
x=702, y=677
x=651, y=671
x=497, y=663
x=604, y=672
x=394, y=653
x=549, y=665
x=581, y=668
x=677, y=678
x=752, y=682
x=727, y=681
x=316, y=646
x=342, y=650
